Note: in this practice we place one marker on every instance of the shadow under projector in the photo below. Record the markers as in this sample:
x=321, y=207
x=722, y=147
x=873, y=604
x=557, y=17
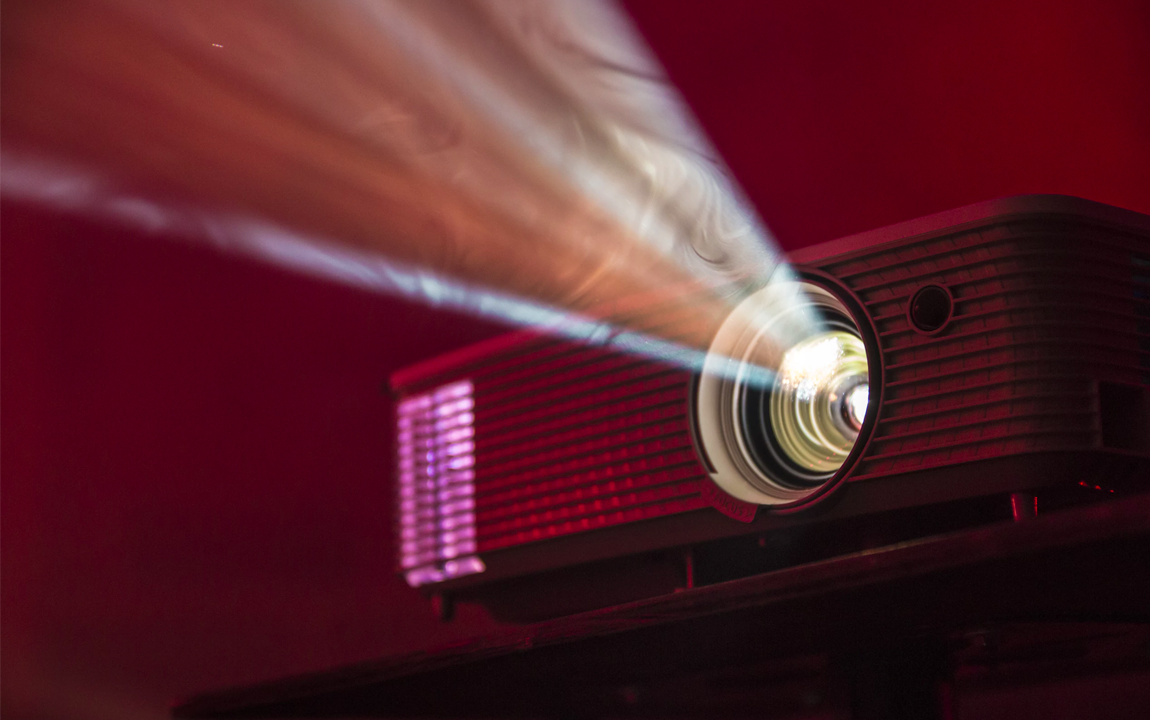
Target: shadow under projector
x=982, y=364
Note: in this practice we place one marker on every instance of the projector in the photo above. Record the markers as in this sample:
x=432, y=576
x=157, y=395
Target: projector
x=981, y=364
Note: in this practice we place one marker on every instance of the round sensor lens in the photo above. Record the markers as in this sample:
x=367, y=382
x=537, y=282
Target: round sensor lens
x=930, y=308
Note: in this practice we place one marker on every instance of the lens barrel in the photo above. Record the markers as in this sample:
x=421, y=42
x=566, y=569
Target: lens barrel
x=784, y=396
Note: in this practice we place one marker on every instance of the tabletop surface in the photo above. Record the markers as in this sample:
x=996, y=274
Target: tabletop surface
x=1077, y=578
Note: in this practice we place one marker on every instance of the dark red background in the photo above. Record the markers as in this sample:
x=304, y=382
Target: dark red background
x=196, y=449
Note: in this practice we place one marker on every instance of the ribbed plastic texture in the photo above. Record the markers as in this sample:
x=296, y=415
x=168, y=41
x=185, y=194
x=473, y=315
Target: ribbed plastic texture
x=1043, y=313
x=570, y=438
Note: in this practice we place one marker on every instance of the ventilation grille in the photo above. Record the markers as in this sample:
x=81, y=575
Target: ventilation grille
x=436, y=456
x=568, y=438
x=1042, y=313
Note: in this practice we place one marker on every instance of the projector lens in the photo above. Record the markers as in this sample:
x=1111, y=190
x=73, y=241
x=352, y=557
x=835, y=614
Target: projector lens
x=785, y=393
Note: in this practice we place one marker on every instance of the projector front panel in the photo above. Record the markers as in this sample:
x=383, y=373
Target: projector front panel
x=1043, y=313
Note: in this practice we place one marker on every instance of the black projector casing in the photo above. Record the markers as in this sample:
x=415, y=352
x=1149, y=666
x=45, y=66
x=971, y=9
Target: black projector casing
x=579, y=481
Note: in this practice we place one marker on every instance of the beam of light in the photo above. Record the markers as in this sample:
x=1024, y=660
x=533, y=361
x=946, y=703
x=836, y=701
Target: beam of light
x=72, y=190
x=526, y=161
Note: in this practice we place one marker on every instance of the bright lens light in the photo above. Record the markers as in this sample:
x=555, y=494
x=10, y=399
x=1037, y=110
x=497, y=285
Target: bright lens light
x=815, y=400
x=811, y=364
x=854, y=407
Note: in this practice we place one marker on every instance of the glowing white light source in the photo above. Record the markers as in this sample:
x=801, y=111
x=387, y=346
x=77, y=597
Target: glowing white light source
x=856, y=402
x=808, y=366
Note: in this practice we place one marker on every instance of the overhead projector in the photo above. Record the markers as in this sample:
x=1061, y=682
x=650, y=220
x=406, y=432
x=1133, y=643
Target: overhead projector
x=987, y=363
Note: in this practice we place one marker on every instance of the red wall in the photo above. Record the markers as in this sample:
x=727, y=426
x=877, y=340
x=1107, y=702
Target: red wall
x=840, y=117
x=195, y=448
x=196, y=458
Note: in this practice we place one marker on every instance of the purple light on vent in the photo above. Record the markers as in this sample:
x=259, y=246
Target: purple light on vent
x=436, y=493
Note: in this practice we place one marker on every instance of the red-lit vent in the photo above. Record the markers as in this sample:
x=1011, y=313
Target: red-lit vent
x=435, y=458
x=1042, y=314
x=570, y=438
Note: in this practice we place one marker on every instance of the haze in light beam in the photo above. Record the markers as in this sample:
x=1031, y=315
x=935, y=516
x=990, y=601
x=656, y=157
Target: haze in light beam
x=530, y=151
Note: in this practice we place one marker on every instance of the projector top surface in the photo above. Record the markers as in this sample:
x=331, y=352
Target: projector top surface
x=1018, y=207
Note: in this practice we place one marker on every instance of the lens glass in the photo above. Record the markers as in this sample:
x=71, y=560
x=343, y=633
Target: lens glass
x=814, y=412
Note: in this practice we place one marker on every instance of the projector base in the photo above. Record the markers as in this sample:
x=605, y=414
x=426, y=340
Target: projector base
x=865, y=516
x=1056, y=602
x=909, y=680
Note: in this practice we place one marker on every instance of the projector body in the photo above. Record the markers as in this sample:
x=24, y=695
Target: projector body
x=1009, y=360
